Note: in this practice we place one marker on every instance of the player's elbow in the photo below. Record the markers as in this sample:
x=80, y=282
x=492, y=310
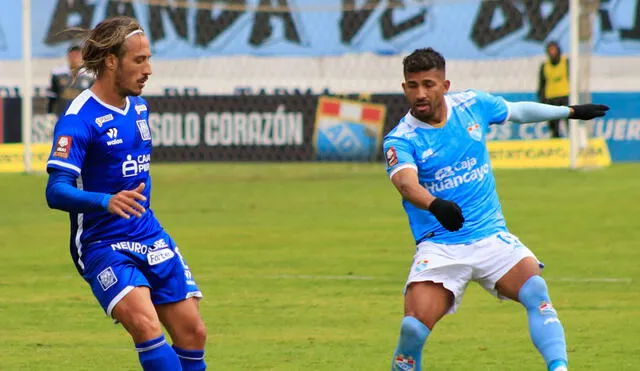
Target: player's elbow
x=50, y=195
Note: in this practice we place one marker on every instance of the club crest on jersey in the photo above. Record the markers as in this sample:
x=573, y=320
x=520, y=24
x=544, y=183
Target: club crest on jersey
x=140, y=108
x=143, y=127
x=405, y=364
x=102, y=119
x=63, y=146
x=392, y=157
x=475, y=131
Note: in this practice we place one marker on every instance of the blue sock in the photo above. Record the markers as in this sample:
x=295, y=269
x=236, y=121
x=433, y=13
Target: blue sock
x=408, y=354
x=545, y=328
x=157, y=355
x=191, y=360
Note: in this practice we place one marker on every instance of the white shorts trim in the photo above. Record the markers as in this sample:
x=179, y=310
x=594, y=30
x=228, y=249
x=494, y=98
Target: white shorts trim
x=454, y=266
x=194, y=294
x=117, y=299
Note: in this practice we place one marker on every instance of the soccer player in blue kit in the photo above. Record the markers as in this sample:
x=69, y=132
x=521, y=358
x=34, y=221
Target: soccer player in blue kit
x=438, y=160
x=99, y=173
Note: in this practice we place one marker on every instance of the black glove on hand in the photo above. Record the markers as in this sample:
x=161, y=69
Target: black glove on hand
x=588, y=111
x=448, y=214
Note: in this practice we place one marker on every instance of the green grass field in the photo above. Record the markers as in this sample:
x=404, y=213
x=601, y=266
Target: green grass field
x=302, y=267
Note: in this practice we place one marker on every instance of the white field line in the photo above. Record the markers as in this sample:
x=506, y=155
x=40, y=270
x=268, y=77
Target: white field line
x=382, y=279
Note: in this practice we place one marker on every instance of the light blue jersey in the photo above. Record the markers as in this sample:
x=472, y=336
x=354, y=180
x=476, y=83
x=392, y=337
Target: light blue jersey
x=453, y=164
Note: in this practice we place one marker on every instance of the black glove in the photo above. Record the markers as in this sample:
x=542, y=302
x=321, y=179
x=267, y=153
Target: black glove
x=448, y=214
x=588, y=111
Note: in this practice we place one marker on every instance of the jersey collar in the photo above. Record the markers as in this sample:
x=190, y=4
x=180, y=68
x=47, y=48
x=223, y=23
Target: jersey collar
x=113, y=108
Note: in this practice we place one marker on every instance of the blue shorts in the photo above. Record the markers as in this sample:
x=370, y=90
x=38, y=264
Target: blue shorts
x=113, y=269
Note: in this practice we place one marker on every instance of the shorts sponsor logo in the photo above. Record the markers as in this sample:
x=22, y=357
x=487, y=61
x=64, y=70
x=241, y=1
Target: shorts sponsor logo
x=107, y=278
x=159, y=256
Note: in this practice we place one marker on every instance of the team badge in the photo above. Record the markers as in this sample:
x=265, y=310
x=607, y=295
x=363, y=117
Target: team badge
x=63, y=146
x=144, y=129
x=546, y=309
x=421, y=265
x=404, y=364
x=475, y=131
x=107, y=278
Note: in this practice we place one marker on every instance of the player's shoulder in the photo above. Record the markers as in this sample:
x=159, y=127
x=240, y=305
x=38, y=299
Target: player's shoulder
x=402, y=135
x=469, y=98
x=80, y=105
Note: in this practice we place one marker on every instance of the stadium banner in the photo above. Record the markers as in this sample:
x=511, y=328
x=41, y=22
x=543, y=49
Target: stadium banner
x=348, y=130
x=232, y=128
x=196, y=28
x=302, y=128
x=12, y=157
x=545, y=153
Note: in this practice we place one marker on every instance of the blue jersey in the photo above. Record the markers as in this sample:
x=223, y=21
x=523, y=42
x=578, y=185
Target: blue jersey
x=452, y=162
x=109, y=149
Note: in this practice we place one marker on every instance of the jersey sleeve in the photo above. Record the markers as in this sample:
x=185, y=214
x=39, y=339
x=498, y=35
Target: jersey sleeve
x=398, y=154
x=494, y=109
x=71, y=140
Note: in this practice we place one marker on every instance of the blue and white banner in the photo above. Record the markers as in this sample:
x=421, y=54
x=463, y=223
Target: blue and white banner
x=461, y=29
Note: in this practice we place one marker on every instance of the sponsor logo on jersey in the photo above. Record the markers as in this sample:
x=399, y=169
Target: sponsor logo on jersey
x=112, y=133
x=462, y=172
x=134, y=166
x=140, y=108
x=103, y=119
x=63, y=146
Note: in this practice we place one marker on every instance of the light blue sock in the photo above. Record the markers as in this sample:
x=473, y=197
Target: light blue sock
x=408, y=354
x=157, y=355
x=191, y=360
x=545, y=328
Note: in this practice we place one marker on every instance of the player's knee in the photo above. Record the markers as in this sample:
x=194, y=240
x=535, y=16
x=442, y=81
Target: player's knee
x=199, y=334
x=193, y=335
x=142, y=327
x=421, y=316
x=534, y=292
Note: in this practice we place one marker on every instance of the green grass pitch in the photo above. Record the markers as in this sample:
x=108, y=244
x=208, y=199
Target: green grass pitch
x=302, y=268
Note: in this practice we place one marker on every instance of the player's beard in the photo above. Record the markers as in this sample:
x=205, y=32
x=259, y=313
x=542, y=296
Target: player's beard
x=121, y=84
x=427, y=116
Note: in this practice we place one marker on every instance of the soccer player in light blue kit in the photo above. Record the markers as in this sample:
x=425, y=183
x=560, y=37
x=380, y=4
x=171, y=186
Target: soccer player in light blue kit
x=438, y=160
x=99, y=173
